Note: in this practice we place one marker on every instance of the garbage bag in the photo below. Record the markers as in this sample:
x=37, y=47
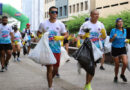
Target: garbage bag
x=26, y=37
x=64, y=56
x=25, y=50
x=107, y=45
x=42, y=53
x=128, y=54
x=84, y=55
x=98, y=54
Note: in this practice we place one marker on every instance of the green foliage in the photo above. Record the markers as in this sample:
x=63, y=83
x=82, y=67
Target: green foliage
x=74, y=24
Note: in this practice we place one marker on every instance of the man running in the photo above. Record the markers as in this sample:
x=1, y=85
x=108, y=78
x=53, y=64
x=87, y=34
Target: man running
x=55, y=29
x=97, y=32
x=6, y=36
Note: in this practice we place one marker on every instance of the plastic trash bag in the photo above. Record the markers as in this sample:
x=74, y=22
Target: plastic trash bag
x=97, y=53
x=107, y=45
x=42, y=53
x=26, y=37
x=84, y=55
x=64, y=56
x=128, y=54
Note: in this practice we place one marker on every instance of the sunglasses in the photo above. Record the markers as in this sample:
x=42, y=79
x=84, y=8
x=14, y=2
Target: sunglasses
x=54, y=12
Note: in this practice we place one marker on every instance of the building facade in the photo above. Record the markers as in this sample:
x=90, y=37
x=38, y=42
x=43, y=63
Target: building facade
x=109, y=7
x=34, y=10
x=68, y=8
x=62, y=6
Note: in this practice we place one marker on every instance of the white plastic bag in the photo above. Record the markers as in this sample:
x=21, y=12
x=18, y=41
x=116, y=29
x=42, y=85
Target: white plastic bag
x=107, y=45
x=96, y=52
x=128, y=54
x=64, y=56
x=26, y=37
x=100, y=44
x=42, y=53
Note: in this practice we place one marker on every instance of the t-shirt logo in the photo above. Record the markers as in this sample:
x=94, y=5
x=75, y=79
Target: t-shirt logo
x=57, y=28
x=47, y=28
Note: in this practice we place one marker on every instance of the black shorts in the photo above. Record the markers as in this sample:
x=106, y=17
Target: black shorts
x=118, y=51
x=5, y=47
x=66, y=41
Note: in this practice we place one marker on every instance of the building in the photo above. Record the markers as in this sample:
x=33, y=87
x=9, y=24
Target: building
x=68, y=8
x=108, y=7
x=47, y=5
x=34, y=10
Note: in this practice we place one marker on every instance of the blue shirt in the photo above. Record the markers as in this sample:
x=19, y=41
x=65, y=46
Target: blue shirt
x=119, y=41
x=54, y=45
x=5, y=31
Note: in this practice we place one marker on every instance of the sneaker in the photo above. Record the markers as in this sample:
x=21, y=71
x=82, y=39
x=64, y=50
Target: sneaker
x=123, y=78
x=15, y=59
x=50, y=89
x=102, y=68
x=88, y=87
x=115, y=79
x=18, y=59
x=58, y=75
x=2, y=69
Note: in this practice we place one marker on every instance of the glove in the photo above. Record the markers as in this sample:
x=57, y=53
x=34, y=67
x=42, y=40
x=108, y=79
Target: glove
x=62, y=43
x=57, y=38
x=87, y=35
x=39, y=36
x=78, y=43
x=69, y=38
x=16, y=42
x=103, y=32
x=127, y=40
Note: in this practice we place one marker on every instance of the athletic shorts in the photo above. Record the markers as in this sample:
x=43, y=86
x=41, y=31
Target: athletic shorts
x=29, y=43
x=57, y=56
x=66, y=41
x=5, y=47
x=118, y=51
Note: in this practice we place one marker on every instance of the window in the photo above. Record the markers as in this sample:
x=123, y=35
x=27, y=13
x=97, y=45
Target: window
x=70, y=8
x=60, y=11
x=65, y=8
x=73, y=8
x=81, y=6
x=124, y=3
x=106, y=6
x=86, y=5
x=78, y=7
x=99, y=8
x=113, y=5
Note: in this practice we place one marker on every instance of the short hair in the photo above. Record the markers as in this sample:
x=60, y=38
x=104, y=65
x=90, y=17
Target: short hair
x=94, y=11
x=52, y=8
x=4, y=17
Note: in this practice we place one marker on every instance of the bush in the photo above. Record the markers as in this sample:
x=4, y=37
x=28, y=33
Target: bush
x=74, y=24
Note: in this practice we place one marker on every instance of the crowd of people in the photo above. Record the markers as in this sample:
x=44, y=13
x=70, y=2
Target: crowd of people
x=11, y=40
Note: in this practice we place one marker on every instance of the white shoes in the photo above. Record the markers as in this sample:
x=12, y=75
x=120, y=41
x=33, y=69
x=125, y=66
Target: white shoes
x=50, y=88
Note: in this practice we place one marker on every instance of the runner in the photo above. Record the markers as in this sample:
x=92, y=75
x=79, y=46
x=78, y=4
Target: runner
x=6, y=36
x=17, y=43
x=55, y=28
x=27, y=31
x=118, y=37
x=97, y=32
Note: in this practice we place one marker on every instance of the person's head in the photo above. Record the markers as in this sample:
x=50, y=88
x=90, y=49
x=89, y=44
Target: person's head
x=53, y=12
x=94, y=15
x=15, y=28
x=4, y=20
x=28, y=25
x=119, y=23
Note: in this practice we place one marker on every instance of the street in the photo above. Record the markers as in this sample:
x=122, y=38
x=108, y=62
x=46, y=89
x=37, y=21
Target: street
x=27, y=75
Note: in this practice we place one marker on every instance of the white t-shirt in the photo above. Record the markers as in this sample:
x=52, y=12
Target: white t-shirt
x=5, y=31
x=28, y=31
x=54, y=29
x=17, y=36
x=94, y=32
